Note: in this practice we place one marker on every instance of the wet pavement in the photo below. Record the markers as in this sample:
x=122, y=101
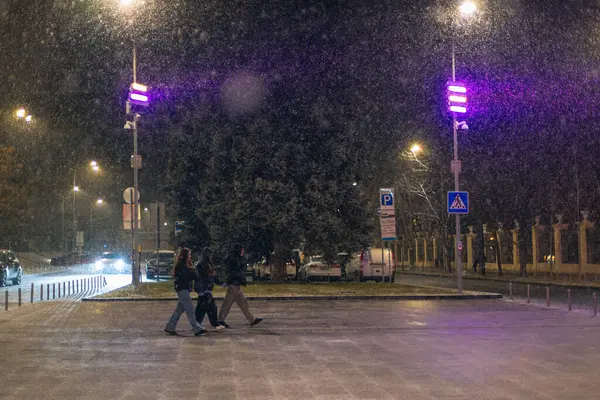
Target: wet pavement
x=581, y=297
x=484, y=349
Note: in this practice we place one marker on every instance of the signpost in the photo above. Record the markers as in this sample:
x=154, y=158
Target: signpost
x=387, y=222
x=178, y=227
x=458, y=202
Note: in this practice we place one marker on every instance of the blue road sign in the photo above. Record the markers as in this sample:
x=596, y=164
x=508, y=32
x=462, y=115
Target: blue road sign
x=458, y=202
x=387, y=199
x=178, y=227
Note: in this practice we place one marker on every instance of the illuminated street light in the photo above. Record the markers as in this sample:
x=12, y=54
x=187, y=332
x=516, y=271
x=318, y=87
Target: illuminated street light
x=28, y=118
x=467, y=8
x=457, y=103
x=99, y=202
x=415, y=148
x=21, y=113
x=93, y=163
x=76, y=188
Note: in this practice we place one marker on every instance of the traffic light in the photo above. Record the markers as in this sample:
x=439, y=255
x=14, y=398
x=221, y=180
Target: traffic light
x=457, y=97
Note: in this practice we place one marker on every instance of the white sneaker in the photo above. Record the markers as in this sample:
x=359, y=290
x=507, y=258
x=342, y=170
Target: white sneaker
x=219, y=327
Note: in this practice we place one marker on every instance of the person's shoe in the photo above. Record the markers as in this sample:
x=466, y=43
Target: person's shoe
x=256, y=321
x=200, y=332
x=219, y=327
x=224, y=324
x=170, y=332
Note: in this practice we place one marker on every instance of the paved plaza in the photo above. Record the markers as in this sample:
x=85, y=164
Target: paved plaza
x=482, y=349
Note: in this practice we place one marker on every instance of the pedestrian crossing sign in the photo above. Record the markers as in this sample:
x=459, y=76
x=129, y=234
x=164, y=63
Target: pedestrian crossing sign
x=458, y=202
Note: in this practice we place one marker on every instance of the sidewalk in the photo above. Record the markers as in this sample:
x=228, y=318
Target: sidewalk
x=417, y=350
x=562, y=281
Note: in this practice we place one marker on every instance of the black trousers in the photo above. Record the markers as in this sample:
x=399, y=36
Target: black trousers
x=206, y=305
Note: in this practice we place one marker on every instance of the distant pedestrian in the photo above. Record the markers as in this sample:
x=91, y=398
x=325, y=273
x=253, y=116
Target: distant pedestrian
x=236, y=278
x=204, y=286
x=184, y=274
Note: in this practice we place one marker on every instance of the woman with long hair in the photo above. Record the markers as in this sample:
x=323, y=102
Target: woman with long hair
x=184, y=274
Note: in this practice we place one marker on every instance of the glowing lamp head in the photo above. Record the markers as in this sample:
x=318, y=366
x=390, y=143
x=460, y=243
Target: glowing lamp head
x=458, y=109
x=99, y=201
x=138, y=95
x=415, y=148
x=28, y=118
x=138, y=87
x=76, y=188
x=457, y=98
x=21, y=113
x=467, y=8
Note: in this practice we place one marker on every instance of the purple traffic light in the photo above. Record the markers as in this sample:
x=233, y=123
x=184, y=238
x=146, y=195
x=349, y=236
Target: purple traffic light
x=457, y=99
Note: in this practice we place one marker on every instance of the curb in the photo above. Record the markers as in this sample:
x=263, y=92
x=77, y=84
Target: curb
x=472, y=296
x=523, y=282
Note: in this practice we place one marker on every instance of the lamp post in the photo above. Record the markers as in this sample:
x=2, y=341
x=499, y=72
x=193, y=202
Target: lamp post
x=137, y=96
x=75, y=189
x=467, y=8
x=98, y=202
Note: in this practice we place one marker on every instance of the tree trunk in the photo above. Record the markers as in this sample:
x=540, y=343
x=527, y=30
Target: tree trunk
x=524, y=233
x=279, y=260
x=498, y=256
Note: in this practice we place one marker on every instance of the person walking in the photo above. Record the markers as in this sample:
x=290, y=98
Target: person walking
x=204, y=286
x=183, y=274
x=236, y=278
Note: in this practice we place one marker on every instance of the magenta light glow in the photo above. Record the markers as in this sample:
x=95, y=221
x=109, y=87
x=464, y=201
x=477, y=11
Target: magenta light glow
x=139, y=97
x=457, y=99
x=458, y=109
x=457, y=89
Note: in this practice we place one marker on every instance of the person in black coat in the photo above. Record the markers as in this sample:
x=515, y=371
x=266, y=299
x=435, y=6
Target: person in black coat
x=184, y=274
x=204, y=286
x=236, y=278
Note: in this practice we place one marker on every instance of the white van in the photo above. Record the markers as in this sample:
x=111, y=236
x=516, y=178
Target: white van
x=371, y=267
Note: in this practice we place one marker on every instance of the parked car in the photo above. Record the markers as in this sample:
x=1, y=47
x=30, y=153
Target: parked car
x=162, y=267
x=73, y=258
x=10, y=266
x=114, y=263
x=263, y=271
x=369, y=265
x=318, y=269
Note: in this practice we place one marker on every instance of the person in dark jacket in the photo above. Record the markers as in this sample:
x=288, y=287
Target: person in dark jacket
x=184, y=274
x=236, y=278
x=204, y=286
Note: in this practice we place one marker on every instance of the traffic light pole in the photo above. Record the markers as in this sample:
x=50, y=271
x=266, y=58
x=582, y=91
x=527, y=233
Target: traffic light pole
x=456, y=170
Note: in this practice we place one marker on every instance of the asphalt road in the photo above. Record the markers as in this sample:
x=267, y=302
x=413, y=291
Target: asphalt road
x=318, y=350
x=581, y=298
x=74, y=276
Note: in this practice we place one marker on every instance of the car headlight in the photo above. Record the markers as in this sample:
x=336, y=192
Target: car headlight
x=120, y=264
x=98, y=264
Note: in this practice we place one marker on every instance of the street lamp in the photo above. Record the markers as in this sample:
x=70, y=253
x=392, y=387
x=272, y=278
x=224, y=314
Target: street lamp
x=467, y=8
x=99, y=202
x=76, y=189
x=20, y=113
x=457, y=104
x=138, y=96
x=415, y=149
